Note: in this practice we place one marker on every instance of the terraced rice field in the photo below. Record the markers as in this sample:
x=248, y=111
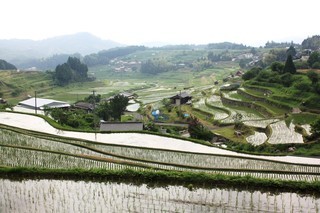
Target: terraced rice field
x=257, y=138
x=260, y=123
x=39, y=196
x=218, y=114
x=20, y=147
x=281, y=133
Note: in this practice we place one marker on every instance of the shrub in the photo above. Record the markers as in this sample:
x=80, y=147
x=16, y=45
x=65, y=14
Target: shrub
x=303, y=86
x=301, y=65
x=316, y=65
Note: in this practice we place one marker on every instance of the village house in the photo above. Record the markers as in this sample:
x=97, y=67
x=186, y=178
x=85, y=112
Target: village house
x=88, y=107
x=182, y=98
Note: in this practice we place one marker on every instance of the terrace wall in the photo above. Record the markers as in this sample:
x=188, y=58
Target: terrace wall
x=251, y=105
x=262, y=99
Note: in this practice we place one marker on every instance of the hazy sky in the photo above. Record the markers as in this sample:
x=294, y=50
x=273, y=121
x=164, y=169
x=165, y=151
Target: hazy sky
x=251, y=22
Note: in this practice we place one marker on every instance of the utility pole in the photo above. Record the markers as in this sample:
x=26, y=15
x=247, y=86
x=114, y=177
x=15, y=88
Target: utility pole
x=94, y=116
x=180, y=105
x=35, y=101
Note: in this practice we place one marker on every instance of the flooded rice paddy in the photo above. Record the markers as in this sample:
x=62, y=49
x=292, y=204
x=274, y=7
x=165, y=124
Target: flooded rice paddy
x=85, y=196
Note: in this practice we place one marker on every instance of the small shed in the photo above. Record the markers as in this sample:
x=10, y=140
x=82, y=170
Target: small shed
x=182, y=98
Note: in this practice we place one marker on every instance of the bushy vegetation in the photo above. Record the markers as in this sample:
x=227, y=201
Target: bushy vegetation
x=279, y=75
x=198, y=131
x=156, y=66
x=81, y=119
x=74, y=118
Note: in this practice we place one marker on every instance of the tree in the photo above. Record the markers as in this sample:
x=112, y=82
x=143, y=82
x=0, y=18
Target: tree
x=316, y=65
x=286, y=79
x=313, y=58
x=243, y=63
x=63, y=74
x=303, y=86
x=252, y=73
x=253, y=51
x=72, y=70
x=313, y=76
x=117, y=106
x=92, y=99
x=104, y=111
x=237, y=118
x=315, y=128
x=291, y=51
x=80, y=69
x=277, y=67
x=289, y=66
x=198, y=131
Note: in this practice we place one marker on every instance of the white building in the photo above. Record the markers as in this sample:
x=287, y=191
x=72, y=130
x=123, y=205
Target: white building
x=41, y=103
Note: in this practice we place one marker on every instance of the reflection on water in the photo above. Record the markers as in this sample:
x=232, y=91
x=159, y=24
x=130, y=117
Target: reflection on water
x=79, y=196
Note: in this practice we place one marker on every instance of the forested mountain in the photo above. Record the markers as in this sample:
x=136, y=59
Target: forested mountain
x=6, y=66
x=104, y=56
x=20, y=51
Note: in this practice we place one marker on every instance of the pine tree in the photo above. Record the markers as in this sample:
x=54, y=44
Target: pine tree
x=289, y=66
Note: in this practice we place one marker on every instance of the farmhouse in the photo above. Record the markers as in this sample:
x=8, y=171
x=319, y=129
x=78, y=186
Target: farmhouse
x=182, y=98
x=84, y=106
x=42, y=103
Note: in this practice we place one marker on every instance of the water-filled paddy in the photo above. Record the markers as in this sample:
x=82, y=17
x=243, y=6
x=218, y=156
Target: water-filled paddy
x=85, y=196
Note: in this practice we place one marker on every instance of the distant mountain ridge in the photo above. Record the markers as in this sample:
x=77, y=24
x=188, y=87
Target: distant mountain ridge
x=16, y=50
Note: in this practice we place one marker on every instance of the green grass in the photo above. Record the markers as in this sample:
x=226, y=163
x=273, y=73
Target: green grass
x=165, y=178
x=304, y=118
x=228, y=132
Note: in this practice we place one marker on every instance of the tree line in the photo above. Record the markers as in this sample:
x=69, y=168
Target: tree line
x=103, y=57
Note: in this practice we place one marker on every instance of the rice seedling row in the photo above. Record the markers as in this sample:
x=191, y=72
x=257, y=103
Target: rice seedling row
x=13, y=138
x=165, y=158
x=86, y=196
x=194, y=159
x=16, y=157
